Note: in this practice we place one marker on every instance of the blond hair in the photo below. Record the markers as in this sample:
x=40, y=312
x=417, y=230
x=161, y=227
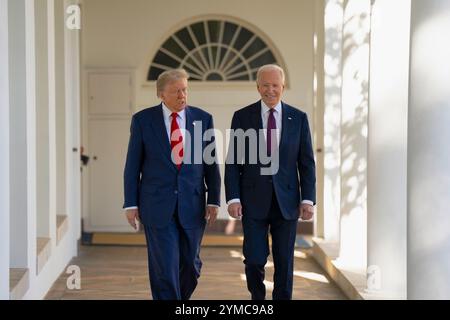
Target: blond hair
x=270, y=67
x=168, y=77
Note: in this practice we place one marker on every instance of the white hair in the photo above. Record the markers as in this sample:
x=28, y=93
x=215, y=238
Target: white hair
x=169, y=76
x=269, y=67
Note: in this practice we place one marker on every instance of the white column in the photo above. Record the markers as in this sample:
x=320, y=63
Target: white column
x=355, y=81
x=60, y=106
x=72, y=63
x=31, y=186
x=318, y=98
x=333, y=21
x=42, y=115
x=19, y=236
x=387, y=148
x=52, y=164
x=429, y=152
x=4, y=145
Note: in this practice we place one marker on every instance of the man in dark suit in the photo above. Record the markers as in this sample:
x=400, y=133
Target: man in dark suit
x=270, y=198
x=165, y=187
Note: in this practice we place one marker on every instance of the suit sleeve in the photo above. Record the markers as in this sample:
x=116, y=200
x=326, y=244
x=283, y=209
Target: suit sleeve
x=133, y=165
x=306, y=163
x=212, y=173
x=233, y=163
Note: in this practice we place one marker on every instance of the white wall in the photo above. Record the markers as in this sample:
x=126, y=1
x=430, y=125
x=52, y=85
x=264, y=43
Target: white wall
x=52, y=146
x=429, y=153
x=42, y=118
x=333, y=24
x=4, y=145
x=19, y=47
x=353, y=164
x=120, y=33
x=62, y=253
x=60, y=91
x=72, y=76
x=387, y=144
x=18, y=137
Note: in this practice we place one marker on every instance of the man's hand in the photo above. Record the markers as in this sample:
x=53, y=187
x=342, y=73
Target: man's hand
x=211, y=214
x=306, y=211
x=235, y=210
x=132, y=216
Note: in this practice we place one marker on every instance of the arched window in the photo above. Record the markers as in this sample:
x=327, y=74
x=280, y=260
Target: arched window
x=213, y=50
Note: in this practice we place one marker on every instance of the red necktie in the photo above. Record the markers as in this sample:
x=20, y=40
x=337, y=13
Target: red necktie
x=176, y=141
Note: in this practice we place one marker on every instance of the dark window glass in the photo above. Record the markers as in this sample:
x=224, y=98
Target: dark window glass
x=266, y=58
x=199, y=32
x=256, y=46
x=243, y=38
x=172, y=46
x=154, y=73
x=214, y=29
x=165, y=60
x=229, y=32
x=185, y=37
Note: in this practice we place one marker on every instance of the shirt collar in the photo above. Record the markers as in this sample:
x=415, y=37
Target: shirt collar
x=265, y=108
x=167, y=113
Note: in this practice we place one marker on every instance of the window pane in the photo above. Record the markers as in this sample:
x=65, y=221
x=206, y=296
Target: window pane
x=173, y=47
x=243, y=38
x=256, y=46
x=154, y=73
x=266, y=58
x=165, y=60
x=199, y=32
x=184, y=36
x=214, y=29
x=229, y=30
x=212, y=61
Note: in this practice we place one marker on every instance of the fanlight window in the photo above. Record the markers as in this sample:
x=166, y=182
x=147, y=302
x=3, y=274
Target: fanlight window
x=213, y=50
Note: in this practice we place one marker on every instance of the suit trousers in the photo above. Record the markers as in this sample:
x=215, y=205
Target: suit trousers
x=173, y=260
x=256, y=251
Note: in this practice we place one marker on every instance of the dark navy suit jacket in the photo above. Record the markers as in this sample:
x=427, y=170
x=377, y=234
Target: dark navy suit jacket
x=152, y=181
x=295, y=179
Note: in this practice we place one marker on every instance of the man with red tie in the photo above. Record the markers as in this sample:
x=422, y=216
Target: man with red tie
x=165, y=189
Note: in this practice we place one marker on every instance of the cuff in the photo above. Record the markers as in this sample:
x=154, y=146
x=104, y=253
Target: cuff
x=236, y=200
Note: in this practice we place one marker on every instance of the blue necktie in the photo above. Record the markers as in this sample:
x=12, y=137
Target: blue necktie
x=271, y=125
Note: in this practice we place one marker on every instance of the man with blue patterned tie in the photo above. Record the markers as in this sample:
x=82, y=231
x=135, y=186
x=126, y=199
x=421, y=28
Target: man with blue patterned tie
x=270, y=201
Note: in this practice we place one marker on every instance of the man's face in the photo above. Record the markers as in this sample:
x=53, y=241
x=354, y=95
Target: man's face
x=271, y=87
x=174, y=95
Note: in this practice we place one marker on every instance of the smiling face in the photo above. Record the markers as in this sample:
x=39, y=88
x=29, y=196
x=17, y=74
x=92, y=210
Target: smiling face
x=174, y=95
x=270, y=86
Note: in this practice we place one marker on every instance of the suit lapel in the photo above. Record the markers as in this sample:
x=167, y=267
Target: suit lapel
x=160, y=131
x=286, y=126
x=256, y=116
x=188, y=143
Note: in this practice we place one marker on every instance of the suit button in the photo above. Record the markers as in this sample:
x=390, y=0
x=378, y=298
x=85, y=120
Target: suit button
x=270, y=180
x=176, y=192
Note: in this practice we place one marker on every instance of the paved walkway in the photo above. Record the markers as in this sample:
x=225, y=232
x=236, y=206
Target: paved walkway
x=121, y=273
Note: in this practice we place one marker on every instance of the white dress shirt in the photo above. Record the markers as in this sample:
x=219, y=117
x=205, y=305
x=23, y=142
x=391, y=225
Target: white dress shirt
x=265, y=110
